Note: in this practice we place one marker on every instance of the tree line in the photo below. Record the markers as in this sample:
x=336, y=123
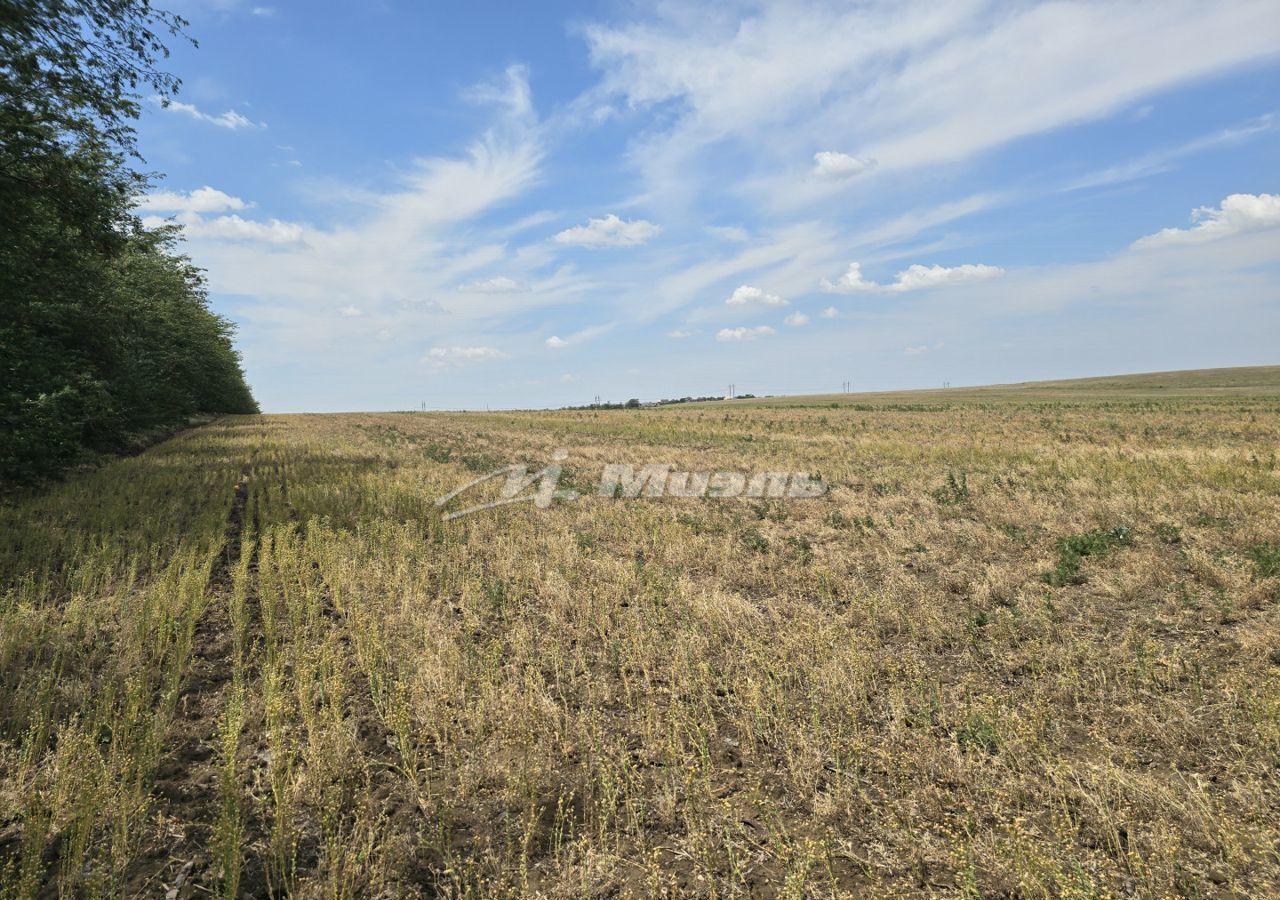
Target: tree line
x=105, y=327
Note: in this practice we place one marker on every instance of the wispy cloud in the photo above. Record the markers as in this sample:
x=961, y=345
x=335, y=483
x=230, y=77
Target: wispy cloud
x=556, y=342
x=1163, y=160
x=444, y=357
x=743, y=333
x=499, y=284
x=230, y=119
x=903, y=75
x=729, y=232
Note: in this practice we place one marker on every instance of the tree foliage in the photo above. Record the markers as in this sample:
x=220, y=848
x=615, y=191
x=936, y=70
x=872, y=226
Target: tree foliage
x=105, y=329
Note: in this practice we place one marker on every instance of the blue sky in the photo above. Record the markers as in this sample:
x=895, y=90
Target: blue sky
x=512, y=205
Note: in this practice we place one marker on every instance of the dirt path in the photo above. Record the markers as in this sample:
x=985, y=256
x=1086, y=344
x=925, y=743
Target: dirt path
x=188, y=789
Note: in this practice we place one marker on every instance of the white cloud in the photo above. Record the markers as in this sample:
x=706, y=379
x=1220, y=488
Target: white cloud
x=831, y=313
x=851, y=282
x=915, y=350
x=746, y=295
x=441, y=357
x=557, y=343
x=917, y=276
x=391, y=249
x=201, y=200
x=510, y=93
x=679, y=333
x=743, y=333
x=912, y=278
x=349, y=311
x=796, y=319
x=609, y=232
x=1238, y=214
x=779, y=78
x=230, y=119
x=500, y=284
x=729, y=232
x=1164, y=159
x=234, y=228
x=264, y=12
x=836, y=166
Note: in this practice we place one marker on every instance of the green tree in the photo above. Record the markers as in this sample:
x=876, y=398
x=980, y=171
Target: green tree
x=104, y=329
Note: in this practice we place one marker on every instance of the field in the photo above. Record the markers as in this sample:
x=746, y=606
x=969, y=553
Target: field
x=1027, y=645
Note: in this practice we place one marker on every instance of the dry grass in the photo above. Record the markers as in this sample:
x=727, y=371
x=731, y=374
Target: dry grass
x=1024, y=647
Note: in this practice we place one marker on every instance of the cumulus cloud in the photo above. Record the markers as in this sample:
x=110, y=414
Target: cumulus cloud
x=838, y=166
x=610, y=231
x=912, y=278
x=442, y=357
x=234, y=228
x=746, y=295
x=851, y=282
x=831, y=313
x=500, y=284
x=796, y=319
x=743, y=333
x=1238, y=214
x=917, y=276
x=201, y=200
x=230, y=119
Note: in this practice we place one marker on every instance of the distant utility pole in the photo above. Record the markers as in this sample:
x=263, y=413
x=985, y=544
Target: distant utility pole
x=845, y=386
x=731, y=387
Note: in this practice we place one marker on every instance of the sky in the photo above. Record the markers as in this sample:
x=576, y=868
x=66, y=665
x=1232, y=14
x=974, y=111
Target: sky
x=512, y=205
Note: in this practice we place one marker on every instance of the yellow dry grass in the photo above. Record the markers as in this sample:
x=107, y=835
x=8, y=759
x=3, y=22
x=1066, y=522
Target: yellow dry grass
x=255, y=660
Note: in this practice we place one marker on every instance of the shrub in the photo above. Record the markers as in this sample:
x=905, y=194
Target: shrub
x=1072, y=551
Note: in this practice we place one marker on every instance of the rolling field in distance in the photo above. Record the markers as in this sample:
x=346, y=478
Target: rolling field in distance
x=1026, y=645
